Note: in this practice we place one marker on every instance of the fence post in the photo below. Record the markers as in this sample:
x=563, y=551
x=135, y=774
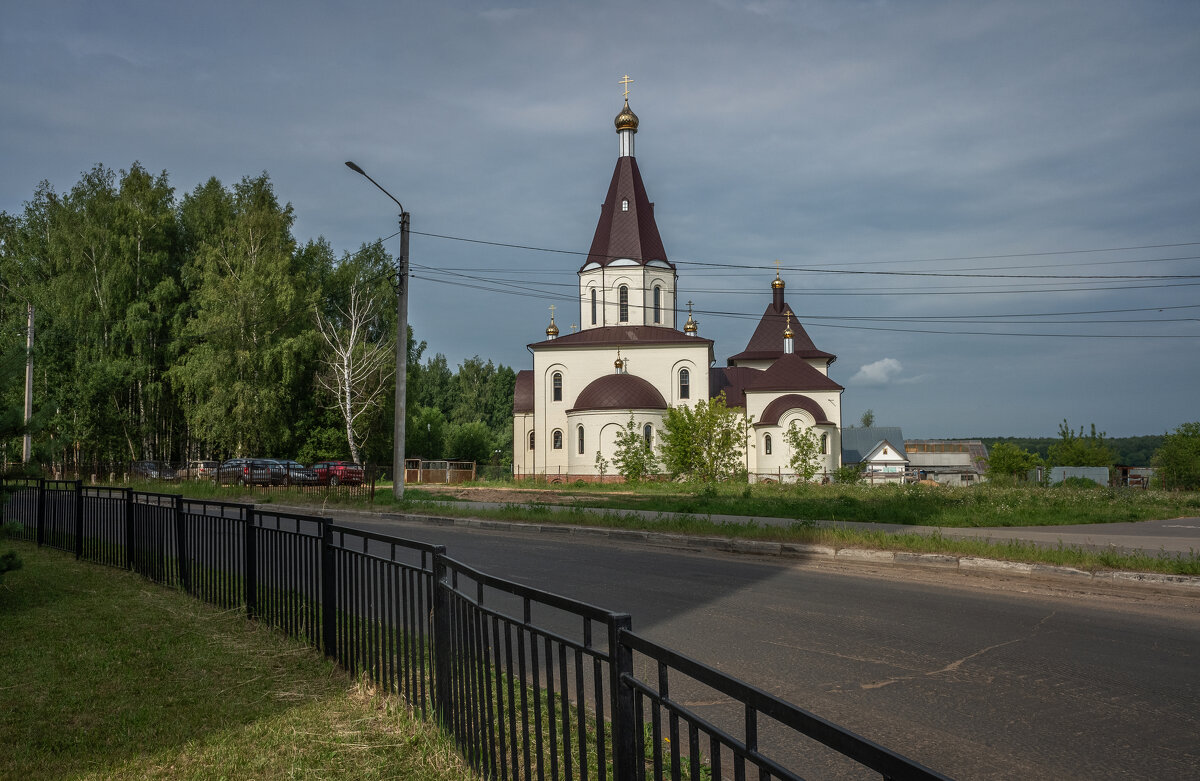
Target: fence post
x=623, y=729
x=250, y=565
x=441, y=638
x=181, y=549
x=328, y=592
x=78, y=519
x=40, y=514
x=127, y=505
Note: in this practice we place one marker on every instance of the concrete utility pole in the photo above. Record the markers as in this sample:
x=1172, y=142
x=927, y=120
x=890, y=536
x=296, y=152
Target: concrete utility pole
x=27, y=446
x=401, y=341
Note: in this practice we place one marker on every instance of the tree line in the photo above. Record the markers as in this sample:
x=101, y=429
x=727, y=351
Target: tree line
x=199, y=327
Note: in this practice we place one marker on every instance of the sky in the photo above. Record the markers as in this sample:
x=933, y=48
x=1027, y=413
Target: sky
x=990, y=212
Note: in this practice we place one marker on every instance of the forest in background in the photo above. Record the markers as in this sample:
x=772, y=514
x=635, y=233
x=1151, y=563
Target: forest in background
x=172, y=329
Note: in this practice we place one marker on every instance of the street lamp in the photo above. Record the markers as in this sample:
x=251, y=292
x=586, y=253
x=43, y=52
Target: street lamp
x=401, y=341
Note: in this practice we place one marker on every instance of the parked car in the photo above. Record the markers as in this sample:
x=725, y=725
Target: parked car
x=296, y=473
x=202, y=470
x=251, y=471
x=151, y=470
x=338, y=473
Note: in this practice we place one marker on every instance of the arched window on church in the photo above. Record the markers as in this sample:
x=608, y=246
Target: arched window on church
x=593, y=306
x=767, y=445
x=657, y=304
x=556, y=440
x=558, y=386
x=648, y=434
x=579, y=435
x=623, y=293
x=824, y=444
x=532, y=439
x=685, y=384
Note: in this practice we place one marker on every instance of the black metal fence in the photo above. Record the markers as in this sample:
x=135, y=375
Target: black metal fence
x=529, y=684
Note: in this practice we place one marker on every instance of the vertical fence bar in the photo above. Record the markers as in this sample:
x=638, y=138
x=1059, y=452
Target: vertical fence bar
x=41, y=512
x=128, y=504
x=181, y=548
x=250, y=563
x=441, y=638
x=623, y=725
x=78, y=519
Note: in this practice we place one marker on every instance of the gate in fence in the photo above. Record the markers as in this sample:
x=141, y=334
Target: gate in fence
x=529, y=684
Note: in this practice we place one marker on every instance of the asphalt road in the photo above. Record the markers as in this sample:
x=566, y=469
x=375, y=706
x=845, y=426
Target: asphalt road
x=977, y=677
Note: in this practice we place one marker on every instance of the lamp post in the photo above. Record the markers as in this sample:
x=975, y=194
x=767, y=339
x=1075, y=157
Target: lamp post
x=401, y=341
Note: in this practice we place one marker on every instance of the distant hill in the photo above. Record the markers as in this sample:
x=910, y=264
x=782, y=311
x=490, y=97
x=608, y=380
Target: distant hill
x=1131, y=451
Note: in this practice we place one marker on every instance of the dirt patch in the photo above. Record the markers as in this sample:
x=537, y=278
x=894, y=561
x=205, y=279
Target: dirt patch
x=509, y=495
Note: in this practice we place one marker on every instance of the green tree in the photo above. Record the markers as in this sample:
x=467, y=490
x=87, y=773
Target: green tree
x=633, y=457
x=245, y=350
x=704, y=442
x=1177, y=462
x=805, y=447
x=1073, y=449
x=470, y=442
x=868, y=418
x=1006, y=461
x=425, y=433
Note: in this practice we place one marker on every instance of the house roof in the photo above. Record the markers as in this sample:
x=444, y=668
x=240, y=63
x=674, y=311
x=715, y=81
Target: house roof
x=523, y=392
x=621, y=335
x=767, y=341
x=858, y=443
x=776, y=408
x=618, y=391
x=792, y=373
x=630, y=233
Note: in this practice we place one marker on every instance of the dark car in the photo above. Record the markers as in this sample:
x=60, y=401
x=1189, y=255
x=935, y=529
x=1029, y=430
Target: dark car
x=296, y=473
x=338, y=473
x=251, y=471
x=151, y=470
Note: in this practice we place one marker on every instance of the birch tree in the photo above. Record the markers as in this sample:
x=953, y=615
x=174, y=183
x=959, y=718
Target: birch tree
x=357, y=357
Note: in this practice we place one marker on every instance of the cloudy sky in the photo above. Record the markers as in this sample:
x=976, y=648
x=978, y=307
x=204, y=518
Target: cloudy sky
x=989, y=212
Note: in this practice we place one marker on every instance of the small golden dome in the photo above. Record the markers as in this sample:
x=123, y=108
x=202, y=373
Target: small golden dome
x=552, y=329
x=626, y=120
x=788, y=333
x=777, y=283
x=691, y=326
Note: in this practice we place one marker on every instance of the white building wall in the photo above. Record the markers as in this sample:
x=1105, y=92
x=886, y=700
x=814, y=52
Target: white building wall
x=657, y=364
x=641, y=280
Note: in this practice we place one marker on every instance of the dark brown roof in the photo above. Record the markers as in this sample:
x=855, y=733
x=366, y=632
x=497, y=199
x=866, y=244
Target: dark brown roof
x=619, y=391
x=618, y=335
x=733, y=380
x=626, y=234
x=767, y=341
x=792, y=373
x=523, y=392
x=776, y=408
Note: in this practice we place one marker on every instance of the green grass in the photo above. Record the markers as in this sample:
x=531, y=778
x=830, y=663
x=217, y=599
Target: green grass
x=107, y=675
x=982, y=505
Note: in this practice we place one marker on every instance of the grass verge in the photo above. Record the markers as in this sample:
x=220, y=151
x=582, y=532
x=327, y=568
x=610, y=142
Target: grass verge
x=106, y=675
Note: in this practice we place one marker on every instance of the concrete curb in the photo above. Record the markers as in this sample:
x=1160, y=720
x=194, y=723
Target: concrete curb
x=945, y=562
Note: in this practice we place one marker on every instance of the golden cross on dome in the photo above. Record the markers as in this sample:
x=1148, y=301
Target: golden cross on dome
x=552, y=311
x=776, y=266
x=626, y=82
x=689, y=308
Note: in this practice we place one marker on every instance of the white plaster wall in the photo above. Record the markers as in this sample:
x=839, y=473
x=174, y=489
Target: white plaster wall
x=522, y=455
x=641, y=281
x=657, y=364
x=600, y=429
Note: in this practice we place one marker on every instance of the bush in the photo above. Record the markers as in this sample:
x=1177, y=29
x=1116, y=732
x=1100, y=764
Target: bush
x=8, y=562
x=1080, y=482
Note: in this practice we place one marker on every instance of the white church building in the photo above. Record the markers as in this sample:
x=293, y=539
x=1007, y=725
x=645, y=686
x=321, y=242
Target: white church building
x=630, y=358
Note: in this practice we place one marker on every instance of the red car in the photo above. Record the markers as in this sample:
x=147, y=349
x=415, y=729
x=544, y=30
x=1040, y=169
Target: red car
x=338, y=473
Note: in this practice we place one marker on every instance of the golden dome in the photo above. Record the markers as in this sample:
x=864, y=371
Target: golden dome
x=626, y=120
x=787, y=332
x=691, y=326
x=777, y=283
x=552, y=329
